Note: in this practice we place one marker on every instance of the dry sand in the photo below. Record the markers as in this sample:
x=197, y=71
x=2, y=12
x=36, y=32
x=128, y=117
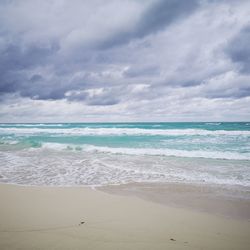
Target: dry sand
x=50, y=218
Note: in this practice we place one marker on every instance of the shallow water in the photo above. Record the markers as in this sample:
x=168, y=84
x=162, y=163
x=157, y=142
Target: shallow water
x=113, y=153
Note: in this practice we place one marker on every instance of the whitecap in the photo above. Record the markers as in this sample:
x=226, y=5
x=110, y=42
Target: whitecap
x=149, y=151
x=121, y=131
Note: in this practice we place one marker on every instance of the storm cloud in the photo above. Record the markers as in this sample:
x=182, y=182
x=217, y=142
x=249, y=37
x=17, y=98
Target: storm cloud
x=239, y=49
x=156, y=17
x=124, y=60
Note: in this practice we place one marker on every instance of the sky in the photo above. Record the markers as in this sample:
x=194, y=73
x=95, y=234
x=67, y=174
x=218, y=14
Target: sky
x=124, y=60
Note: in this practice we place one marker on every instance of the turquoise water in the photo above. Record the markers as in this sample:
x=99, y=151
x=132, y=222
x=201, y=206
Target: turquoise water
x=113, y=153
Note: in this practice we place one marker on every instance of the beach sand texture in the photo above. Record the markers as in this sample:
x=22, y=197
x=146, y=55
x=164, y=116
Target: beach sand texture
x=81, y=218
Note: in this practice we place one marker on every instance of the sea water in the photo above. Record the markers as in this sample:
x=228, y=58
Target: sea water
x=70, y=154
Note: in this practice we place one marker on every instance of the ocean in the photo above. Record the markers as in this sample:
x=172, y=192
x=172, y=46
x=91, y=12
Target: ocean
x=97, y=154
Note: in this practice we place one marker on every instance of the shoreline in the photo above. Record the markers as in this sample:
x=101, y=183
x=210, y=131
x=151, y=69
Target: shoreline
x=216, y=200
x=229, y=202
x=82, y=218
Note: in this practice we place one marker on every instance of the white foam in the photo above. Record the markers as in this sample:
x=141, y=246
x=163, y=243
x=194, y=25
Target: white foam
x=120, y=131
x=69, y=169
x=171, y=152
x=213, y=123
x=11, y=142
x=8, y=141
x=54, y=146
x=148, y=151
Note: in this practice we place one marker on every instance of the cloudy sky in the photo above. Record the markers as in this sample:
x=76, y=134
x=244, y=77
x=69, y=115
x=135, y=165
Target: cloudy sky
x=124, y=60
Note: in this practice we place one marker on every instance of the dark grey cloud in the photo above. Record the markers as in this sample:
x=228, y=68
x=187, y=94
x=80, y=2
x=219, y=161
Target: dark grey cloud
x=239, y=49
x=163, y=13
x=157, y=16
x=15, y=57
x=15, y=61
x=233, y=93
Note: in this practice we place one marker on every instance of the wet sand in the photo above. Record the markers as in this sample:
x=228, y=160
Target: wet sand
x=233, y=202
x=81, y=218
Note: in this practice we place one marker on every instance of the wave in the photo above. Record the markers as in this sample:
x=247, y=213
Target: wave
x=213, y=123
x=121, y=131
x=9, y=142
x=149, y=151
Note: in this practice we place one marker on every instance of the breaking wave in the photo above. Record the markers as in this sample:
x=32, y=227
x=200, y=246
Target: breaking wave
x=149, y=151
x=121, y=131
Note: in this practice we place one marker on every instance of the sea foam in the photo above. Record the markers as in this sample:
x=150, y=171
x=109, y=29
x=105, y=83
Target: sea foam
x=121, y=131
x=148, y=151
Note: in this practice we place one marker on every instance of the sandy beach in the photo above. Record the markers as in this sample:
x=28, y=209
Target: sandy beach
x=82, y=218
